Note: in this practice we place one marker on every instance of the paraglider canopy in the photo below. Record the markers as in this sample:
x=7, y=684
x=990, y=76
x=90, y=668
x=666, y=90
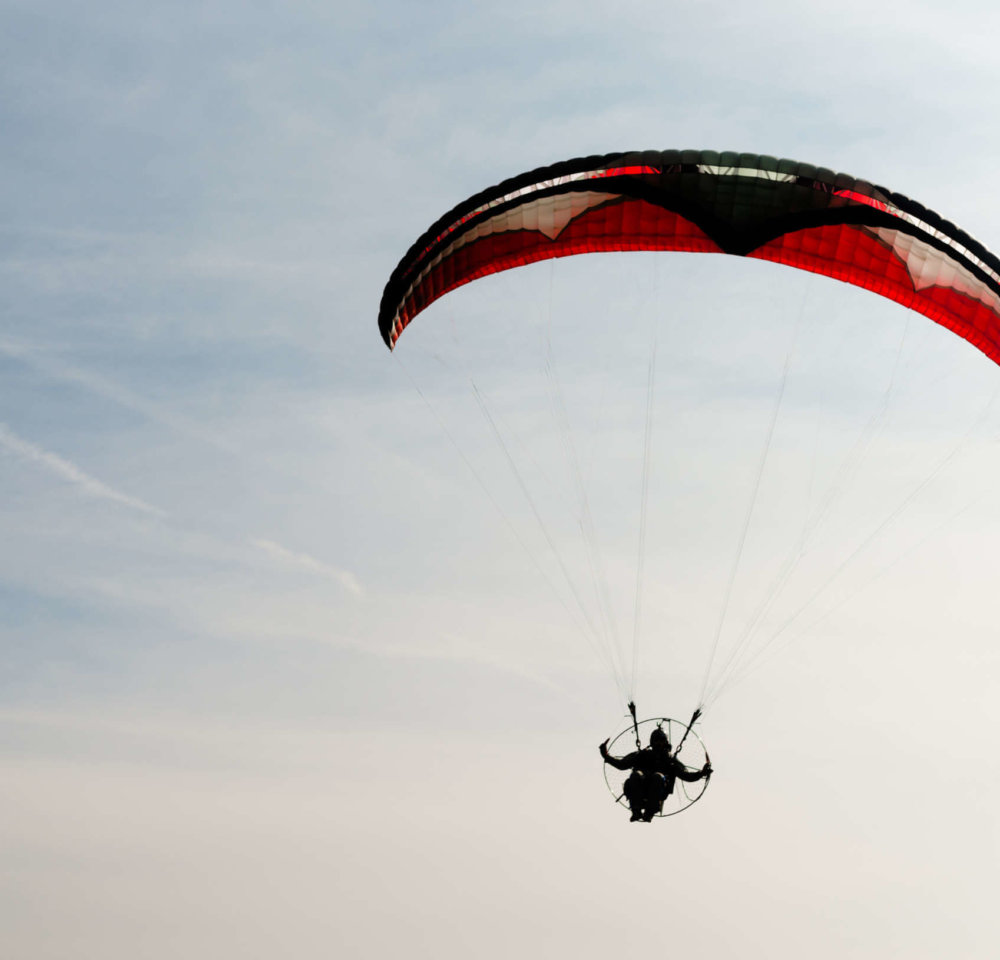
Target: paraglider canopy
x=703, y=201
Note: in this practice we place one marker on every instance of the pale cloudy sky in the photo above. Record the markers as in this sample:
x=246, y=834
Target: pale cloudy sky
x=277, y=676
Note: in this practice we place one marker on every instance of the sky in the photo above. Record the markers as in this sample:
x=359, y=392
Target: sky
x=288, y=665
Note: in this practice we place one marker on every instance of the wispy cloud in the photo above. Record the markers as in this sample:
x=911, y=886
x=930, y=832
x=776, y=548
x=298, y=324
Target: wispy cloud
x=344, y=578
x=68, y=373
x=454, y=648
x=70, y=471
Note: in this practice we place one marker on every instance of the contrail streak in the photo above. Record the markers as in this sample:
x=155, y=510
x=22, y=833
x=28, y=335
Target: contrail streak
x=70, y=471
x=343, y=578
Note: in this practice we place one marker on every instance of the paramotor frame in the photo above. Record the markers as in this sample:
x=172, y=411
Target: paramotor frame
x=693, y=754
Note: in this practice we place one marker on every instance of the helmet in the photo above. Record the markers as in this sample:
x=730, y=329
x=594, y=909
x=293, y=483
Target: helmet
x=658, y=738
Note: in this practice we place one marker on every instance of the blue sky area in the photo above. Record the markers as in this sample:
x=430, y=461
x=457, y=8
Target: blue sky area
x=287, y=663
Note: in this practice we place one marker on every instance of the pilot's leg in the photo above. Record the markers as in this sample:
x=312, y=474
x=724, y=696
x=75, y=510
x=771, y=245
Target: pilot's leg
x=656, y=793
x=635, y=793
